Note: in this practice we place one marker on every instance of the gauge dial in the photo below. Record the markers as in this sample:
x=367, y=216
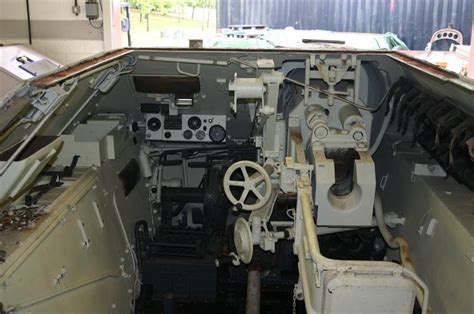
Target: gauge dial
x=200, y=135
x=153, y=124
x=188, y=134
x=217, y=133
x=194, y=123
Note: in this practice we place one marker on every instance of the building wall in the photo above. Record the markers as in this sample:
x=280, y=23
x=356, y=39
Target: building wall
x=414, y=21
x=56, y=31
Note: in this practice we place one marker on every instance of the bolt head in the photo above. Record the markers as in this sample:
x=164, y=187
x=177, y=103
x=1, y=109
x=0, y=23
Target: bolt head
x=321, y=132
x=358, y=136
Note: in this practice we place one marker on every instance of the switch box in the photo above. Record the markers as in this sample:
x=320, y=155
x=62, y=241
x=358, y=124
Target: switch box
x=92, y=10
x=76, y=10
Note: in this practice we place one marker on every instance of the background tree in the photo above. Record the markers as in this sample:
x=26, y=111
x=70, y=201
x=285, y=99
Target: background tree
x=146, y=7
x=193, y=4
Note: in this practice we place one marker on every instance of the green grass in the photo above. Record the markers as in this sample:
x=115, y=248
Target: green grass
x=143, y=38
x=160, y=22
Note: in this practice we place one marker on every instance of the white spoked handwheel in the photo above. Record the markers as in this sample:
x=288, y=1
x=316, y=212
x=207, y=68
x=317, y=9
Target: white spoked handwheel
x=258, y=183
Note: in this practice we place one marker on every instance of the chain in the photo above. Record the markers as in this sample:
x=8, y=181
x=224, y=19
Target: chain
x=294, y=300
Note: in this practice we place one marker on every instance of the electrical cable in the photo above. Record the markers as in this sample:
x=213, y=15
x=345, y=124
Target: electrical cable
x=254, y=122
x=102, y=23
x=288, y=95
x=398, y=243
x=96, y=27
x=235, y=60
x=322, y=91
x=325, y=92
x=386, y=120
x=193, y=151
x=136, y=231
x=350, y=102
x=28, y=18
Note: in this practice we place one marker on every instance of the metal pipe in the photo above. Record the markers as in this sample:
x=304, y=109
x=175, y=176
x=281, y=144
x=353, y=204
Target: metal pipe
x=256, y=229
x=253, y=290
x=282, y=223
x=387, y=236
x=327, y=263
x=322, y=230
x=279, y=235
x=324, y=263
x=16, y=307
x=138, y=248
x=396, y=243
x=304, y=279
x=183, y=60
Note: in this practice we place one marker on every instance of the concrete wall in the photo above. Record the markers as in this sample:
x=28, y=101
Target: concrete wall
x=56, y=31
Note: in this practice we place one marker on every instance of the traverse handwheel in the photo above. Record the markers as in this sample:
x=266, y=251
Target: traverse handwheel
x=244, y=179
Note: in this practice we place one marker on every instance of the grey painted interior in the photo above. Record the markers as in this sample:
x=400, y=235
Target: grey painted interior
x=379, y=71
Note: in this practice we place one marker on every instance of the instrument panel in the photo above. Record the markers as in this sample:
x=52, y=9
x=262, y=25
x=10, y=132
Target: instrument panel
x=186, y=128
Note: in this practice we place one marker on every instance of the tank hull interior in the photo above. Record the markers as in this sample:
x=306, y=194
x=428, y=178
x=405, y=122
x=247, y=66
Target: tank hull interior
x=189, y=181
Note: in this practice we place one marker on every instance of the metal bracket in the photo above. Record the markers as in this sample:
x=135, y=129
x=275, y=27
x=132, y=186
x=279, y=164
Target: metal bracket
x=47, y=100
x=291, y=164
x=86, y=242
x=426, y=170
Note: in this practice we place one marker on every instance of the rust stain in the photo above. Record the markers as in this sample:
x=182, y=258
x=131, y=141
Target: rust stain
x=24, y=220
x=113, y=54
x=81, y=66
x=423, y=65
x=408, y=260
x=296, y=136
x=108, y=56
